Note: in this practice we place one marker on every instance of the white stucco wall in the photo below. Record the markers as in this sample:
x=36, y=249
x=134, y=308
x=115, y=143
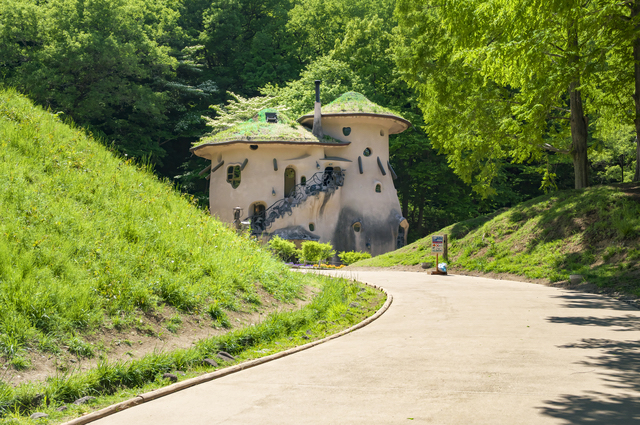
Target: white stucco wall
x=333, y=215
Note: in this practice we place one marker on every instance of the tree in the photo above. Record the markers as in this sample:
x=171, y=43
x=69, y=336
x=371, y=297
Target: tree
x=522, y=67
x=619, y=83
x=246, y=44
x=102, y=63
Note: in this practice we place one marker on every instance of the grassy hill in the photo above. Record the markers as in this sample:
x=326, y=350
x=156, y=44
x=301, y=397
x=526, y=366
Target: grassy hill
x=94, y=247
x=88, y=239
x=593, y=232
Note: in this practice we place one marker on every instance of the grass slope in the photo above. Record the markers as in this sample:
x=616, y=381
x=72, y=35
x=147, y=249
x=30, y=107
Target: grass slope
x=89, y=240
x=593, y=232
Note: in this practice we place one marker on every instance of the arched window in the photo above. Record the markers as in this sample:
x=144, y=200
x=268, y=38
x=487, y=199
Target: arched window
x=367, y=152
x=303, y=180
x=357, y=227
x=312, y=227
x=233, y=176
x=378, y=188
x=289, y=181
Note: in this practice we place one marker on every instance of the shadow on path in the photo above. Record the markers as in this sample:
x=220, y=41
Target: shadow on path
x=616, y=362
x=593, y=301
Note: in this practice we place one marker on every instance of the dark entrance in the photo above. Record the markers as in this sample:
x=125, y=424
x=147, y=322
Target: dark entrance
x=258, y=218
x=289, y=182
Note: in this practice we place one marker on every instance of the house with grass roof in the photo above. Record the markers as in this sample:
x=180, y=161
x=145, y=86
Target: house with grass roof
x=324, y=177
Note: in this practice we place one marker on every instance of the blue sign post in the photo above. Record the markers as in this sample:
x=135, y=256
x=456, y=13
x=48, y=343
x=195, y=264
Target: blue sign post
x=439, y=246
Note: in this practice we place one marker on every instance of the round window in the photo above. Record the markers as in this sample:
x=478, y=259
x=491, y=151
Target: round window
x=367, y=152
x=357, y=227
x=346, y=131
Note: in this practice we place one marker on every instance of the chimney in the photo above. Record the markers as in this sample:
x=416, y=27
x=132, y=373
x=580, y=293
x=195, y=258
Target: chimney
x=317, y=114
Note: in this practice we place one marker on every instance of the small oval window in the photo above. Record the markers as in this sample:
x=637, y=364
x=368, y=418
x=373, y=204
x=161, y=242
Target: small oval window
x=303, y=180
x=382, y=132
x=367, y=152
x=378, y=188
x=346, y=131
x=253, y=147
x=357, y=227
x=312, y=227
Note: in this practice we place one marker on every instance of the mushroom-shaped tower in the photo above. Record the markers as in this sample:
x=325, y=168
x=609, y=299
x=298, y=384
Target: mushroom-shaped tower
x=370, y=218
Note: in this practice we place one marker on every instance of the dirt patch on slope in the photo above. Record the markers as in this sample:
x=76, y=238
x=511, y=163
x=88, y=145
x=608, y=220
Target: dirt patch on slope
x=150, y=335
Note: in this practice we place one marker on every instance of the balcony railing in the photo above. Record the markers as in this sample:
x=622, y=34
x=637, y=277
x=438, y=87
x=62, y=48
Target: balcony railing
x=327, y=181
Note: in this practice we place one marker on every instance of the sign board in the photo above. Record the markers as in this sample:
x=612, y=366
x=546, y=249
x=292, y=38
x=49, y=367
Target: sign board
x=437, y=244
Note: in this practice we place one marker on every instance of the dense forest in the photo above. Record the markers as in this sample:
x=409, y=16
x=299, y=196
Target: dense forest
x=508, y=98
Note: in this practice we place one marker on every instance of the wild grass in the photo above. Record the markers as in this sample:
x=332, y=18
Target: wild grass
x=355, y=102
x=259, y=130
x=89, y=239
x=593, y=232
x=339, y=304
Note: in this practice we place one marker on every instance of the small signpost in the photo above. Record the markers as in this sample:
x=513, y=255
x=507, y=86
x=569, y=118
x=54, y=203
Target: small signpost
x=439, y=246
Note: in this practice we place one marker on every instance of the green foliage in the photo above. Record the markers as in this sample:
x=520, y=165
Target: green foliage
x=315, y=252
x=331, y=310
x=246, y=45
x=239, y=110
x=350, y=257
x=258, y=129
x=72, y=212
x=284, y=249
x=79, y=347
x=503, y=81
x=101, y=62
x=591, y=232
x=354, y=102
x=218, y=315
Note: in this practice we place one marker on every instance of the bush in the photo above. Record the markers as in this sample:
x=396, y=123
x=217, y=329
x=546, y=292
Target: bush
x=315, y=252
x=350, y=257
x=284, y=249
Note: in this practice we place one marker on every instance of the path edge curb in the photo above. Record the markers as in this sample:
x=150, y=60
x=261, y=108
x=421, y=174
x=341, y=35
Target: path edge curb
x=161, y=392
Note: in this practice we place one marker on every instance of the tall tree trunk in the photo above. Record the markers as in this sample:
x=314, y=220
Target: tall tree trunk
x=578, y=120
x=578, y=138
x=636, y=99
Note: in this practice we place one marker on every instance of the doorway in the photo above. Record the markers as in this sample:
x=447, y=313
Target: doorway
x=258, y=224
x=289, y=182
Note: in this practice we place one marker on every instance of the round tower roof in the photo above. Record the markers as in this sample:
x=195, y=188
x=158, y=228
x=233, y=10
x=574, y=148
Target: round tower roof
x=356, y=104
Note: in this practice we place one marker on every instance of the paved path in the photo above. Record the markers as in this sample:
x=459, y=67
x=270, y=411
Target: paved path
x=450, y=350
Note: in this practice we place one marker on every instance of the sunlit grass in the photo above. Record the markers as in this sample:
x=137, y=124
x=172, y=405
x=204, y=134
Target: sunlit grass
x=89, y=239
x=339, y=305
x=593, y=232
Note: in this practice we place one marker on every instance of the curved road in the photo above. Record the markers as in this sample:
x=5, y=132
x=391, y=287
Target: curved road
x=450, y=350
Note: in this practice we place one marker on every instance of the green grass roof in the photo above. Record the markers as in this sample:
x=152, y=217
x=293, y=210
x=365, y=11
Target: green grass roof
x=259, y=130
x=352, y=102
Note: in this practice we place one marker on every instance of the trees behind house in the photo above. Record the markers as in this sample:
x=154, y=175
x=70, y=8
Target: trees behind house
x=508, y=98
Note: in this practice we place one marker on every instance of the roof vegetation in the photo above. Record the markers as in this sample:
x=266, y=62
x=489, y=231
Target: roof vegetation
x=259, y=130
x=352, y=102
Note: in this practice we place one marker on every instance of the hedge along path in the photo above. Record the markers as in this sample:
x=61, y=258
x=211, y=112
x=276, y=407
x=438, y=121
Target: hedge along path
x=168, y=390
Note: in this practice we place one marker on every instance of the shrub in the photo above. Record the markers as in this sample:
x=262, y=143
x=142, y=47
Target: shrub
x=350, y=257
x=315, y=252
x=284, y=249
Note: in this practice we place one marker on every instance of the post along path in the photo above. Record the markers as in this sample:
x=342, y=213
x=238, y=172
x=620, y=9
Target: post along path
x=450, y=350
